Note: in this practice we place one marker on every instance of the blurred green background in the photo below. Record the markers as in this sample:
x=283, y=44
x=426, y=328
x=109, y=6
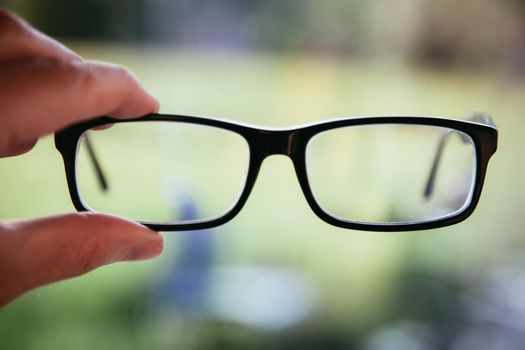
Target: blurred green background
x=276, y=276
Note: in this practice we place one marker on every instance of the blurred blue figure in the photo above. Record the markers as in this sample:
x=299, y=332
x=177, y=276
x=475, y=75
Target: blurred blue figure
x=186, y=281
x=270, y=296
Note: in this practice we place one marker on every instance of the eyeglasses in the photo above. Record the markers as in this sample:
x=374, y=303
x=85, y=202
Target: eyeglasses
x=171, y=172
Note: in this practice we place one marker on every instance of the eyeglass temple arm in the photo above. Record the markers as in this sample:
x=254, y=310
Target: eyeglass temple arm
x=482, y=118
x=96, y=164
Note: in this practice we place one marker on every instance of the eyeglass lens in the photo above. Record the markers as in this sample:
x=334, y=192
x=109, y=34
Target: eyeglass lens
x=162, y=171
x=391, y=173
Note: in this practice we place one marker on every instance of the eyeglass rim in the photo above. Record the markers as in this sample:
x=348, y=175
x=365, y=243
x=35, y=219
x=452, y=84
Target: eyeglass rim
x=292, y=142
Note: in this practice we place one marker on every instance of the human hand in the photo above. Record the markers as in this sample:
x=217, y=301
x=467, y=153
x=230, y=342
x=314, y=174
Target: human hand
x=44, y=86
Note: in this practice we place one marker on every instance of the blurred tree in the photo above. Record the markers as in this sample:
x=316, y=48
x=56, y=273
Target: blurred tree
x=444, y=33
x=470, y=31
x=93, y=19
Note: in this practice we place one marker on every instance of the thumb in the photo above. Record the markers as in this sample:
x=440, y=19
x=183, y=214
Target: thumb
x=40, y=251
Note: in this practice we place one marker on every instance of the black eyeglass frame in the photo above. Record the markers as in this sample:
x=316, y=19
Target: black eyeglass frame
x=292, y=142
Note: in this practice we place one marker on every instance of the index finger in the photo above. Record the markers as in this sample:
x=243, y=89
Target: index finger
x=41, y=96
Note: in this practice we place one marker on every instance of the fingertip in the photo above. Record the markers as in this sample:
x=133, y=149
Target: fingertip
x=125, y=96
x=138, y=102
x=145, y=251
x=123, y=240
x=155, y=104
x=18, y=149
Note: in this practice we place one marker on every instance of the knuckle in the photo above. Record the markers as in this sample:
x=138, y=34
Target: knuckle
x=111, y=69
x=124, y=74
x=56, y=67
x=128, y=78
x=93, y=253
x=68, y=72
x=61, y=75
x=89, y=260
x=92, y=74
x=11, y=24
x=8, y=18
x=121, y=70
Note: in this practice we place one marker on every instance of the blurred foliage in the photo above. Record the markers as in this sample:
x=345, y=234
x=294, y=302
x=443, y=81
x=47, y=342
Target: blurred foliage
x=442, y=33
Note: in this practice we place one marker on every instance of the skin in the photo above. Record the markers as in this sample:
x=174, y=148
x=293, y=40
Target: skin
x=44, y=87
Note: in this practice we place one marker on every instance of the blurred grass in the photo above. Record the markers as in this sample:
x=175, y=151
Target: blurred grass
x=358, y=273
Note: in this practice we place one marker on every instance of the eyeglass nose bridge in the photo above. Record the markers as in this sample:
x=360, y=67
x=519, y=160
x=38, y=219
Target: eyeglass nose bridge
x=277, y=142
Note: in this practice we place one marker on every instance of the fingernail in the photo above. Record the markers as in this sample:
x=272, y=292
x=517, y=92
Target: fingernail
x=144, y=251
